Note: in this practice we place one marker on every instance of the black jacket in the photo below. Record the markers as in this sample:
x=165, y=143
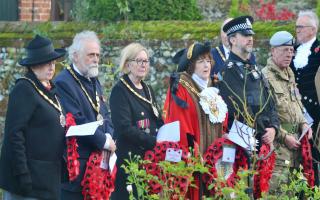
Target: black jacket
x=305, y=80
x=31, y=154
x=256, y=93
x=126, y=112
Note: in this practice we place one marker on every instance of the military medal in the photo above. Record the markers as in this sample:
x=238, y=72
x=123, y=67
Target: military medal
x=62, y=120
x=155, y=111
x=99, y=117
x=147, y=130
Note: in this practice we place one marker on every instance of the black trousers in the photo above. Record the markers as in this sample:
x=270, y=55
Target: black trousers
x=68, y=195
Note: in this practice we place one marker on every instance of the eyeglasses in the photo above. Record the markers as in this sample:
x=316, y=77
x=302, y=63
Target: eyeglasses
x=141, y=62
x=202, y=61
x=301, y=26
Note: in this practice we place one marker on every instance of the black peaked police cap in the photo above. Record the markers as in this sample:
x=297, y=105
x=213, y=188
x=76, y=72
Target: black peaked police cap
x=185, y=56
x=241, y=24
x=40, y=50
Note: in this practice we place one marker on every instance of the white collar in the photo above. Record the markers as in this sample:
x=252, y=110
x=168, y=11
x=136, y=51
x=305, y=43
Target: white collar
x=302, y=54
x=226, y=51
x=307, y=45
x=200, y=82
x=77, y=69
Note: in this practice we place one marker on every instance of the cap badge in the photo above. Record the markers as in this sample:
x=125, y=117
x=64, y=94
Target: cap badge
x=190, y=50
x=248, y=22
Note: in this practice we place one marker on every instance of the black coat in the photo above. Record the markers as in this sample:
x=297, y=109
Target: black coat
x=305, y=81
x=74, y=100
x=32, y=149
x=126, y=112
x=255, y=86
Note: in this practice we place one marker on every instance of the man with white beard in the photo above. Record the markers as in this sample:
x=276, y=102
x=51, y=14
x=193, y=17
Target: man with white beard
x=81, y=95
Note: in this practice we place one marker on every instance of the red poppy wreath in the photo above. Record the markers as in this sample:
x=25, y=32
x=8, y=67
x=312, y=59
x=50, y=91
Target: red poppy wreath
x=213, y=156
x=97, y=183
x=264, y=169
x=155, y=156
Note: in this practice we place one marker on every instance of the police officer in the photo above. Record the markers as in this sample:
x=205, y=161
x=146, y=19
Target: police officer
x=242, y=85
x=290, y=110
x=221, y=53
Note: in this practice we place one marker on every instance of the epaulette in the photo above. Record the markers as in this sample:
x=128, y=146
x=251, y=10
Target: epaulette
x=174, y=83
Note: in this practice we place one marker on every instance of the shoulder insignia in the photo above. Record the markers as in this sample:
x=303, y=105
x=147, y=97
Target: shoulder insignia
x=230, y=64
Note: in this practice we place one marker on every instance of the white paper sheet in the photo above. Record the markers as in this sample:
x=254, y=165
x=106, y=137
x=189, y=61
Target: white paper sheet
x=169, y=132
x=304, y=131
x=229, y=154
x=112, y=161
x=307, y=117
x=242, y=135
x=84, y=129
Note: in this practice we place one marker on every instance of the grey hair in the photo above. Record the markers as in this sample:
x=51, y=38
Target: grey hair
x=78, y=42
x=129, y=53
x=312, y=15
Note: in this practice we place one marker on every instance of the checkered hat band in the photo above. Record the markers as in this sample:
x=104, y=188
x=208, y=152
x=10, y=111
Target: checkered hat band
x=243, y=26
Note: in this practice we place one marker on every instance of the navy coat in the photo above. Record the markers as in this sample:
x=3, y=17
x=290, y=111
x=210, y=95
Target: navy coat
x=74, y=100
x=31, y=154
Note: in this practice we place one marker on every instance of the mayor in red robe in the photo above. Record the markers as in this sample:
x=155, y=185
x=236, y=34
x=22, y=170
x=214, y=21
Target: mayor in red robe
x=182, y=102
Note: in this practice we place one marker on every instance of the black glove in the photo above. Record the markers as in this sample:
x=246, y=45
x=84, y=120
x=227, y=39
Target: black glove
x=190, y=139
x=25, y=183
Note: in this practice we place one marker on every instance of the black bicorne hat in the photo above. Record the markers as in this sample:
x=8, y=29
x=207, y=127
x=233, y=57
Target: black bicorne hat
x=241, y=24
x=185, y=56
x=40, y=50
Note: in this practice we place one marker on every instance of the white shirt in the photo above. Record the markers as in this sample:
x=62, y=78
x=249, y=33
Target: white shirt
x=303, y=52
x=77, y=69
x=226, y=51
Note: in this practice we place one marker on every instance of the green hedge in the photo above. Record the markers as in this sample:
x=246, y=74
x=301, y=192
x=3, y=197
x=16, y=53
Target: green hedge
x=154, y=30
x=143, y=10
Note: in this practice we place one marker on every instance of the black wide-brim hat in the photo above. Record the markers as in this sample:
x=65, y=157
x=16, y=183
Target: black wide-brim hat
x=241, y=24
x=185, y=56
x=40, y=50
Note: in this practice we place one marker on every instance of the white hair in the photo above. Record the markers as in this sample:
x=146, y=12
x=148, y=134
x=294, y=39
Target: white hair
x=314, y=20
x=79, y=40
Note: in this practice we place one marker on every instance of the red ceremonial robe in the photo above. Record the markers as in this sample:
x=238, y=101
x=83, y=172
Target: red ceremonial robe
x=192, y=119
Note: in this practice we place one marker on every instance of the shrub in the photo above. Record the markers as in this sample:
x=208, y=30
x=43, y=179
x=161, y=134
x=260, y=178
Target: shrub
x=115, y=10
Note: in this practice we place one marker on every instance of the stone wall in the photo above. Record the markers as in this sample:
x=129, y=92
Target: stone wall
x=161, y=53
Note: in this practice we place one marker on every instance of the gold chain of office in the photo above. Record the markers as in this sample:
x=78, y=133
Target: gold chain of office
x=154, y=108
x=95, y=107
x=55, y=105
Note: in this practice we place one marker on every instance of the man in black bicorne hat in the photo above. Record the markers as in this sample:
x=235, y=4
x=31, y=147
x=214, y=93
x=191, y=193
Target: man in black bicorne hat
x=242, y=85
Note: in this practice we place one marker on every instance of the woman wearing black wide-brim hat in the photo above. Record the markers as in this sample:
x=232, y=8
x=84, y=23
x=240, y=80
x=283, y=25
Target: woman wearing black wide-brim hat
x=31, y=153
